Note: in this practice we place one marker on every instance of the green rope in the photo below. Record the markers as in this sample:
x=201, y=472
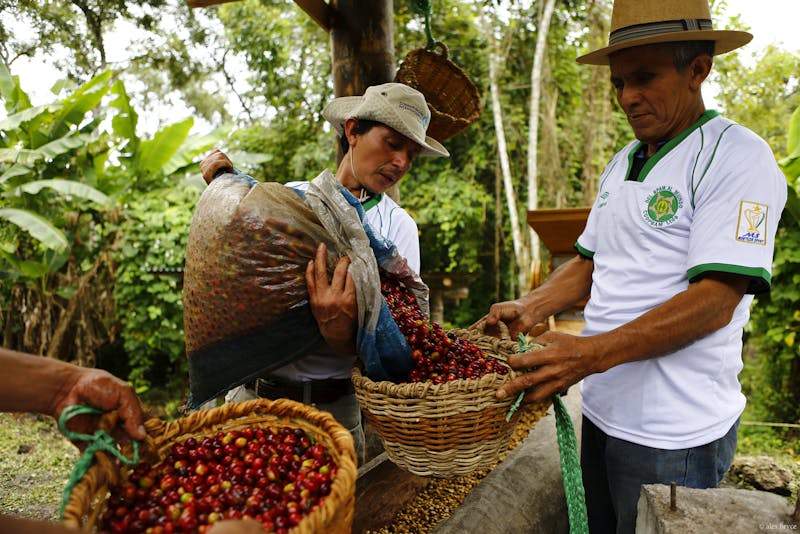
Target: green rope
x=423, y=7
x=99, y=441
x=568, y=454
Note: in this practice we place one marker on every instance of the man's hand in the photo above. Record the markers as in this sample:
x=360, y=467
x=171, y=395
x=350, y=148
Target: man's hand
x=216, y=162
x=46, y=385
x=514, y=313
x=563, y=361
x=333, y=303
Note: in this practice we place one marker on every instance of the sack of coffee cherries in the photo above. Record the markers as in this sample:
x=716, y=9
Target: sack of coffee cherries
x=246, y=308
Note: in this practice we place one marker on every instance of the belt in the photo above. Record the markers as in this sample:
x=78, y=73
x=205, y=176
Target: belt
x=310, y=392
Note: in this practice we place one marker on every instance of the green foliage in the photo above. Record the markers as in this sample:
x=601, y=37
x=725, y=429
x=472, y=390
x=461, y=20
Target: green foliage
x=81, y=189
x=148, y=292
x=771, y=83
x=774, y=383
x=43, y=151
x=174, y=51
x=758, y=382
x=297, y=152
x=452, y=243
x=288, y=56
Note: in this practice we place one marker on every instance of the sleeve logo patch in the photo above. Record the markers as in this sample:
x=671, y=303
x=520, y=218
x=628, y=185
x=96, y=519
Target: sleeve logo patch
x=752, y=224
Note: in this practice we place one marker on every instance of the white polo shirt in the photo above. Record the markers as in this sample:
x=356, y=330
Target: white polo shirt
x=707, y=201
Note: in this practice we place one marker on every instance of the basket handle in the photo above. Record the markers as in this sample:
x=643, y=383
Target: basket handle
x=442, y=48
x=480, y=326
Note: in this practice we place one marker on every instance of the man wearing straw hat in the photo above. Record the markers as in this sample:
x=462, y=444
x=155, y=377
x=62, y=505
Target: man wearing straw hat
x=680, y=237
x=380, y=134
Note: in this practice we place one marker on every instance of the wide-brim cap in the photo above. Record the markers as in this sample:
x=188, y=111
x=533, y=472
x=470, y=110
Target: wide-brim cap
x=644, y=22
x=395, y=105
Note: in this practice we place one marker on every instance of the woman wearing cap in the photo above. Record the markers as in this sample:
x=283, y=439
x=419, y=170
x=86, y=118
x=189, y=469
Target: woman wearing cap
x=380, y=134
x=680, y=237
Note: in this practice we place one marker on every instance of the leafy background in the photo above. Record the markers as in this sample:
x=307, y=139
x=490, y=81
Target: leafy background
x=98, y=184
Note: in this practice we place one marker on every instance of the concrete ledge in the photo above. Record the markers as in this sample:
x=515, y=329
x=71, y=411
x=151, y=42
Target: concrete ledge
x=728, y=510
x=525, y=493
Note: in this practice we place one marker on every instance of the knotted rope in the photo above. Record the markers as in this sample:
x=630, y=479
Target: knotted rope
x=568, y=454
x=99, y=441
x=423, y=7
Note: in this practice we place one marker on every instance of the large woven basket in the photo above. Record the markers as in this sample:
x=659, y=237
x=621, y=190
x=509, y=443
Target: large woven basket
x=452, y=97
x=335, y=515
x=445, y=430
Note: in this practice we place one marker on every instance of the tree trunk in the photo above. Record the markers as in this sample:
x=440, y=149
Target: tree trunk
x=520, y=249
x=362, y=50
x=362, y=44
x=545, y=16
x=498, y=232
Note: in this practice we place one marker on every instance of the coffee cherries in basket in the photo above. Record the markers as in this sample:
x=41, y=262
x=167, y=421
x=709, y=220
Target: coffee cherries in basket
x=438, y=356
x=273, y=474
x=445, y=420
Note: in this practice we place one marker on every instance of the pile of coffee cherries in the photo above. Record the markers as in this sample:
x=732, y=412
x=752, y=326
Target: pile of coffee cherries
x=438, y=356
x=274, y=475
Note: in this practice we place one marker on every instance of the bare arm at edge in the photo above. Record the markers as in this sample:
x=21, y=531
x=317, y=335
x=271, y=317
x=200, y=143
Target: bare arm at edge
x=40, y=384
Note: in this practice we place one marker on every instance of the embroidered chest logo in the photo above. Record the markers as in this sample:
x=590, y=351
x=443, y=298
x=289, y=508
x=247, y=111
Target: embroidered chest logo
x=751, y=225
x=663, y=207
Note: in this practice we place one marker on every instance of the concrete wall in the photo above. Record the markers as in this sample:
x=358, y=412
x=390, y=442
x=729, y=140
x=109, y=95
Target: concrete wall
x=728, y=510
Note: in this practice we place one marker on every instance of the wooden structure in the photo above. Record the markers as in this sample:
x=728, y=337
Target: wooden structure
x=558, y=229
x=446, y=287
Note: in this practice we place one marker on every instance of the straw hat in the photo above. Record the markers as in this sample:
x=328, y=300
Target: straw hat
x=395, y=105
x=643, y=22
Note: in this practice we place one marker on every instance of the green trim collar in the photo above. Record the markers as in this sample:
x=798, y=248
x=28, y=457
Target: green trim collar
x=372, y=202
x=666, y=147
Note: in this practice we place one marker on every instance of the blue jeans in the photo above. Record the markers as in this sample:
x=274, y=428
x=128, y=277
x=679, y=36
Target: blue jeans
x=347, y=412
x=614, y=471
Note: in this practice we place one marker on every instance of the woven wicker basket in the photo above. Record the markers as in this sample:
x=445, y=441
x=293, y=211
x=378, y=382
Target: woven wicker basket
x=451, y=95
x=445, y=430
x=334, y=515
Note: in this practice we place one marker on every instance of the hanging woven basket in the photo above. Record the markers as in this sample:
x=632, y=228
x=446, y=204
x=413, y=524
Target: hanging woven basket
x=451, y=95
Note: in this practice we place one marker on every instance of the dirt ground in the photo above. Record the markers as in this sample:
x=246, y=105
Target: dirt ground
x=35, y=464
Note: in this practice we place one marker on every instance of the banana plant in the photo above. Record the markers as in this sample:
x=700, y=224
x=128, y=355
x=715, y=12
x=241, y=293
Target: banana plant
x=38, y=182
x=78, y=155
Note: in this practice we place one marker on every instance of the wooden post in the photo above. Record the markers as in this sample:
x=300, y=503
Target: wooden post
x=362, y=45
x=362, y=48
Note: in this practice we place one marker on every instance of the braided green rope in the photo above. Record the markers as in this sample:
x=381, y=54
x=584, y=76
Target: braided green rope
x=423, y=7
x=568, y=454
x=99, y=441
